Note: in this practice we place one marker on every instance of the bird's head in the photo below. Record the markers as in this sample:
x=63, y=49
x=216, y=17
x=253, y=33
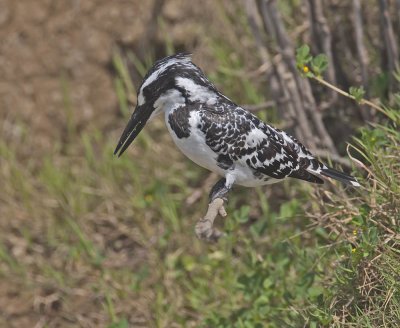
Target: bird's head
x=172, y=82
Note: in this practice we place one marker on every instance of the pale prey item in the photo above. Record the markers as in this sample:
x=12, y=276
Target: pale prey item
x=219, y=135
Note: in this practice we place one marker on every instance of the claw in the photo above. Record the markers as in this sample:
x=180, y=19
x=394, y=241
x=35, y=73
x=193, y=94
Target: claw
x=204, y=227
x=222, y=211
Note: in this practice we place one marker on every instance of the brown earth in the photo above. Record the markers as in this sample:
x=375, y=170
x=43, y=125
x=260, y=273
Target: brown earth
x=56, y=56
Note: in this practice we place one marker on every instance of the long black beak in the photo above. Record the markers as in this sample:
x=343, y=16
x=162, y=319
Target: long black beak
x=135, y=125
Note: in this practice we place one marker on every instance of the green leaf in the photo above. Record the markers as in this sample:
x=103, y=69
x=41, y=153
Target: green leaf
x=303, y=51
x=242, y=215
x=267, y=283
x=319, y=64
x=303, y=56
x=357, y=93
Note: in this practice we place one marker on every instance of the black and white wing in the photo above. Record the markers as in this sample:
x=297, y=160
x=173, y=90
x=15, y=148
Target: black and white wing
x=238, y=136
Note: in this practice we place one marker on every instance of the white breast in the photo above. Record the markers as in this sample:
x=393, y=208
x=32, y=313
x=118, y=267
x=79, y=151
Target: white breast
x=194, y=146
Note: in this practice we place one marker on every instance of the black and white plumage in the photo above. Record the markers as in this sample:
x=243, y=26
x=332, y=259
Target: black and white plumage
x=217, y=134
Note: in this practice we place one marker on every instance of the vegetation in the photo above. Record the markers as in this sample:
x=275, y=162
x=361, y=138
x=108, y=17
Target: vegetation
x=81, y=229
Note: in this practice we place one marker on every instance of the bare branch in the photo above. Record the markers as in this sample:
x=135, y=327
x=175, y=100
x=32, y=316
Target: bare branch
x=321, y=33
x=299, y=90
x=278, y=88
x=389, y=39
x=336, y=158
x=361, y=51
x=359, y=32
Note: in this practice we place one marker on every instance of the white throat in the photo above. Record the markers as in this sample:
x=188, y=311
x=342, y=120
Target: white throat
x=167, y=101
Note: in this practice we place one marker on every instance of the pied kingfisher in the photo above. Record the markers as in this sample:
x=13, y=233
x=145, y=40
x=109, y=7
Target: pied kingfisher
x=217, y=134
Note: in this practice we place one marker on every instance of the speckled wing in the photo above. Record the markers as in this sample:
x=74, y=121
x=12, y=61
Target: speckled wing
x=237, y=136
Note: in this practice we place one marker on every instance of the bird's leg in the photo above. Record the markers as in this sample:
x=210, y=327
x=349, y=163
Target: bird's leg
x=218, y=195
x=219, y=190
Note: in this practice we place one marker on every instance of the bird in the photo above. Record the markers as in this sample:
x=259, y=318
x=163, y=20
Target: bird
x=219, y=135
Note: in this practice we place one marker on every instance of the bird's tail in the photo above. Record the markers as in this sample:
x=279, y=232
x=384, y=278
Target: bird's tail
x=340, y=176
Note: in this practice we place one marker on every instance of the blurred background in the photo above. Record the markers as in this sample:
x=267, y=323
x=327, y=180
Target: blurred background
x=89, y=240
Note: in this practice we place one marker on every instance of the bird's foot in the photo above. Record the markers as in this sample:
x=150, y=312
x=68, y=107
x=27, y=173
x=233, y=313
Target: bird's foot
x=204, y=227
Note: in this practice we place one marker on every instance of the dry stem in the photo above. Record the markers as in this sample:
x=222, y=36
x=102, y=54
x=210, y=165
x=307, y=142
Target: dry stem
x=346, y=94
